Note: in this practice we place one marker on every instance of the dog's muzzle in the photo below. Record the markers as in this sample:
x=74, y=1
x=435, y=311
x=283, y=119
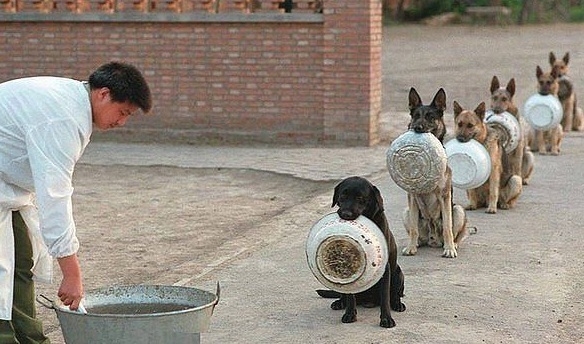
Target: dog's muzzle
x=463, y=139
x=419, y=128
x=347, y=214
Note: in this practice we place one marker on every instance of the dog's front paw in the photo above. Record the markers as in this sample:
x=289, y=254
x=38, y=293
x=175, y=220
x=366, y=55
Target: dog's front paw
x=349, y=317
x=338, y=305
x=387, y=322
x=398, y=307
x=470, y=207
x=491, y=211
x=504, y=206
x=449, y=253
x=411, y=250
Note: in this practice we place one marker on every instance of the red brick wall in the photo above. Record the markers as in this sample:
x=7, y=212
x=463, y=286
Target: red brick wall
x=274, y=78
x=352, y=71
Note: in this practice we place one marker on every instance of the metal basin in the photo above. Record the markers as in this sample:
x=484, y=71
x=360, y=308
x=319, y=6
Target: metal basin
x=416, y=162
x=543, y=112
x=348, y=256
x=470, y=163
x=135, y=314
x=511, y=126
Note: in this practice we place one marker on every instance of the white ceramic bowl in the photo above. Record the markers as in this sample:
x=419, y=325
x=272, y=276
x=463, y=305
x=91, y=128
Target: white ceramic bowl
x=470, y=163
x=543, y=112
x=346, y=256
x=511, y=126
x=416, y=161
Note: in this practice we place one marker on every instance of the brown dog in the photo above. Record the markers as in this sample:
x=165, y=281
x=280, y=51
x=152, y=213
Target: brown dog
x=503, y=187
x=356, y=196
x=573, y=116
x=433, y=219
x=545, y=141
x=521, y=158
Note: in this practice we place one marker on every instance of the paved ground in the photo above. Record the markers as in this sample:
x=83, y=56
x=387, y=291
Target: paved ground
x=189, y=215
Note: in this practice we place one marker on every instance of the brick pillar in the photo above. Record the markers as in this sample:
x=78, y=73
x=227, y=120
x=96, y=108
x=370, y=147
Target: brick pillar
x=352, y=71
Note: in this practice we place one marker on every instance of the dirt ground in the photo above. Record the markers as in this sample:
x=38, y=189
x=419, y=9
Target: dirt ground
x=145, y=224
x=151, y=224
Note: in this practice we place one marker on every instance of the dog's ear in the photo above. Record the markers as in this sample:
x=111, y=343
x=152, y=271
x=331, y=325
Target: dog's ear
x=439, y=100
x=566, y=58
x=414, y=99
x=552, y=58
x=376, y=202
x=480, y=110
x=495, y=84
x=538, y=71
x=457, y=108
x=511, y=87
x=336, y=194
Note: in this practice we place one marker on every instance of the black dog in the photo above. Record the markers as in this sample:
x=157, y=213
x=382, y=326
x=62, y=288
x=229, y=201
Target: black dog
x=357, y=196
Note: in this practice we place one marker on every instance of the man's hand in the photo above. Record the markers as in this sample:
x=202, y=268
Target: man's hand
x=71, y=289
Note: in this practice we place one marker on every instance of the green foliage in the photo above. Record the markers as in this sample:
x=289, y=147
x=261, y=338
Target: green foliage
x=427, y=8
x=548, y=10
x=577, y=14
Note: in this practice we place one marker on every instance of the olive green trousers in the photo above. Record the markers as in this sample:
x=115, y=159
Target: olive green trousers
x=24, y=328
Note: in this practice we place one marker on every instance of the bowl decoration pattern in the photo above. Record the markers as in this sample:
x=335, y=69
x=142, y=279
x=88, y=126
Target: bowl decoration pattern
x=416, y=161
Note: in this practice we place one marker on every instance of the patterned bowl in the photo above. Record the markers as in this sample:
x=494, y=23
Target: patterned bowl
x=543, y=112
x=346, y=256
x=416, y=161
x=511, y=126
x=470, y=163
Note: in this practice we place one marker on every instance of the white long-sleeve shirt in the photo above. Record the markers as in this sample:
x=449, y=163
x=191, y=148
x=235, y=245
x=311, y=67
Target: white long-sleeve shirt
x=45, y=124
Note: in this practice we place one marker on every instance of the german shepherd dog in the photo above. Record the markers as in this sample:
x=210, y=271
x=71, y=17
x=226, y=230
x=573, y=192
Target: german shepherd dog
x=545, y=141
x=521, y=158
x=503, y=187
x=356, y=196
x=573, y=115
x=432, y=219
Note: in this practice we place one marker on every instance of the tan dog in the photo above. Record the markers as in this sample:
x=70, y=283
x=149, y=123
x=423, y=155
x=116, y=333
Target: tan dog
x=433, y=219
x=573, y=115
x=521, y=158
x=545, y=141
x=503, y=188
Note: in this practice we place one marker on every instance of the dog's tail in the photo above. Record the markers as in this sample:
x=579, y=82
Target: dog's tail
x=328, y=294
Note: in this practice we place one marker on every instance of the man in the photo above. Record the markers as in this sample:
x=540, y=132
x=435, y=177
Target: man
x=45, y=124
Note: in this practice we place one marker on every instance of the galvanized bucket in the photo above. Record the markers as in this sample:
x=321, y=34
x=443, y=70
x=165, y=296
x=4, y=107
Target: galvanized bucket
x=183, y=314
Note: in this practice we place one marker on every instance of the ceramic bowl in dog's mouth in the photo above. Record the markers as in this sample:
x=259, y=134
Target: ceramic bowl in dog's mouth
x=416, y=161
x=543, y=112
x=347, y=256
x=470, y=163
x=511, y=126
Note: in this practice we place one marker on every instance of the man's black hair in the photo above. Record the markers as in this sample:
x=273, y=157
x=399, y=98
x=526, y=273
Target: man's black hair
x=125, y=83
